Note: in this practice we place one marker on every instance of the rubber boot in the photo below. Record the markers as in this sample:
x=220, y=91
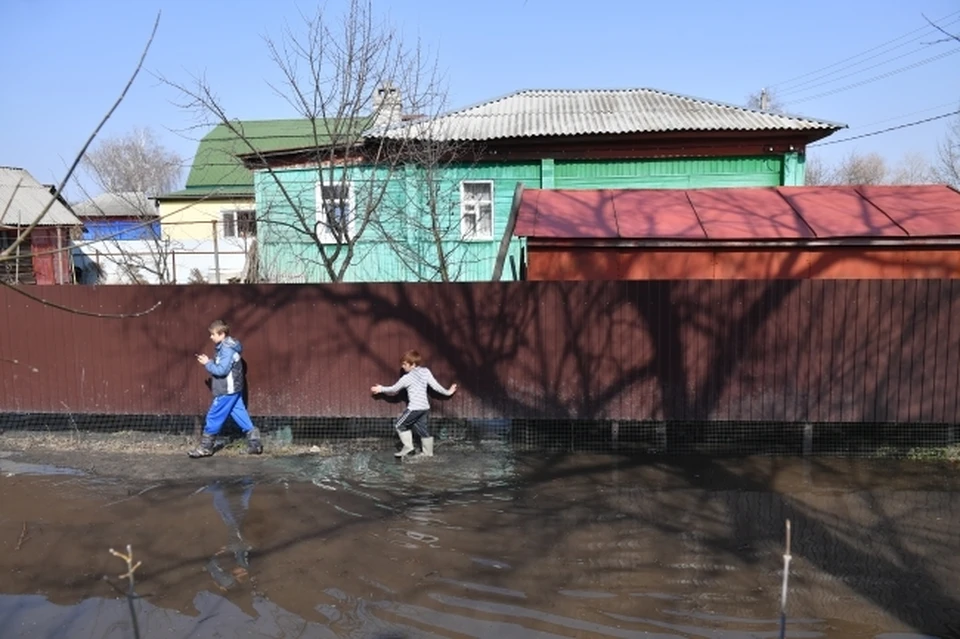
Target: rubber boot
x=205, y=449
x=254, y=446
x=427, y=443
x=406, y=438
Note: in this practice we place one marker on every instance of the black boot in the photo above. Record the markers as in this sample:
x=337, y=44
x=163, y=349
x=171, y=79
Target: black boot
x=205, y=449
x=254, y=447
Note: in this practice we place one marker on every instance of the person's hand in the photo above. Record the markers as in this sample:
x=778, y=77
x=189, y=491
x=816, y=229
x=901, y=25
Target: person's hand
x=375, y=390
x=453, y=388
x=203, y=359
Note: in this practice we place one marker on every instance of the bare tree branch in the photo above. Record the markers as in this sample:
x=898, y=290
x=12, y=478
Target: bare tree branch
x=347, y=76
x=24, y=234
x=83, y=150
x=76, y=311
x=857, y=168
x=135, y=162
x=948, y=156
x=765, y=100
x=949, y=36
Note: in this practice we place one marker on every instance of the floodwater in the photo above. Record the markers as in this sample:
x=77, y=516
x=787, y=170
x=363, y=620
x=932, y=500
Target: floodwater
x=486, y=544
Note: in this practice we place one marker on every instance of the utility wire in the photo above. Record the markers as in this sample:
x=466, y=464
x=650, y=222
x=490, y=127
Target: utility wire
x=814, y=84
x=901, y=116
x=924, y=28
x=887, y=130
x=880, y=76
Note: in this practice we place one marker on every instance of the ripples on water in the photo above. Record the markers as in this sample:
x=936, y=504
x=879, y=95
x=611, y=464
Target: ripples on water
x=612, y=553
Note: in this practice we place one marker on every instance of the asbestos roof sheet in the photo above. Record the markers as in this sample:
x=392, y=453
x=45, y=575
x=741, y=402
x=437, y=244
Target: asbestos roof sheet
x=129, y=204
x=741, y=214
x=584, y=112
x=22, y=200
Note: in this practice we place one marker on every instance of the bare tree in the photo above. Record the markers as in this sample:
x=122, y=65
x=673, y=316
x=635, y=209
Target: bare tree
x=947, y=170
x=913, y=168
x=348, y=75
x=816, y=172
x=948, y=151
x=871, y=168
x=135, y=162
x=12, y=251
x=423, y=222
x=126, y=234
x=857, y=168
x=766, y=100
x=130, y=169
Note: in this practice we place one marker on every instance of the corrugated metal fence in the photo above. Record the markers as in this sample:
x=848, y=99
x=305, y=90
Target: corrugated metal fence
x=843, y=351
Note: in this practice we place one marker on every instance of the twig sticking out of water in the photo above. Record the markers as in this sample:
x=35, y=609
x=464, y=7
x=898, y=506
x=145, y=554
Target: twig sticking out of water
x=23, y=536
x=131, y=595
x=783, y=592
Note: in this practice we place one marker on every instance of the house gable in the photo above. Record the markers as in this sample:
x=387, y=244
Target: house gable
x=217, y=169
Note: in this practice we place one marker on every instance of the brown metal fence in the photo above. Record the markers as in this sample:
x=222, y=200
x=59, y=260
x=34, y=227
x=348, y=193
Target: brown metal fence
x=874, y=354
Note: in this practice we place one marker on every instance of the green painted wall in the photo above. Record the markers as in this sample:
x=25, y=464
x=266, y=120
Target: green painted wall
x=399, y=244
x=673, y=173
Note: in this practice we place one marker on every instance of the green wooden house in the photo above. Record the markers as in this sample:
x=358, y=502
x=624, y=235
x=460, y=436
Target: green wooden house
x=440, y=207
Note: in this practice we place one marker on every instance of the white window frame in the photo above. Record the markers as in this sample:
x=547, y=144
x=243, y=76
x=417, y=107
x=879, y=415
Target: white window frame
x=465, y=234
x=230, y=223
x=324, y=233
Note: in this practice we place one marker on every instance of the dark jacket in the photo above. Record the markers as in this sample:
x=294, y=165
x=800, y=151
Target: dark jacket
x=226, y=368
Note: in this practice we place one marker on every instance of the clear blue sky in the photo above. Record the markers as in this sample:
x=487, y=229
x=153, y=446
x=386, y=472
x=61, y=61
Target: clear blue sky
x=64, y=61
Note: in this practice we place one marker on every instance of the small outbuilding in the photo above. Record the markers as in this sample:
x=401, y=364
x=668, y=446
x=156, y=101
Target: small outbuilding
x=36, y=253
x=829, y=232
x=119, y=217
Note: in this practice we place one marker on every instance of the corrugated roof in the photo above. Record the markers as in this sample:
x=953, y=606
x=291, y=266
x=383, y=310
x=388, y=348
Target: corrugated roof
x=130, y=204
x=216, y=163
x=210, y=193
x=741, y=214
x=586, y=112
x=22, y=200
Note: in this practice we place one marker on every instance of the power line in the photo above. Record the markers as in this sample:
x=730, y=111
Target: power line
x=870, y=50
x=887, y=130
x=902, y=115
x=814, y=84
x=880, y=76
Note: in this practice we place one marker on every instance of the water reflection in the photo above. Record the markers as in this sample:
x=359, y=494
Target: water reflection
x=230, y=566
x=361, y=546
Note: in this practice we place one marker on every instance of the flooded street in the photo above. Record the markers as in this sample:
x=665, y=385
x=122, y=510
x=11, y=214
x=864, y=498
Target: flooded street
x=486, y=544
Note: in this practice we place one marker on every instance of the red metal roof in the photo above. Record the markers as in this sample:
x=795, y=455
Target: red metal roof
x=663, y=213
x=835, y=212
x=746, y=214
x=775, y=213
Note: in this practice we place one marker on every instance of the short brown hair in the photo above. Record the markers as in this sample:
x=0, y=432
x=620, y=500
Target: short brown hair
x=219, y=326
x=411, y=357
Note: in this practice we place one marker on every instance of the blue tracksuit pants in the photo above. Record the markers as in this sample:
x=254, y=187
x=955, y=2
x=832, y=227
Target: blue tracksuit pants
x=224, y=406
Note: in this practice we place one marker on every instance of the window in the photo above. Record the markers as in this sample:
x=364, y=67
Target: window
x=476, y=210
x=335, y=215
x=241, y=223
x=18, y=267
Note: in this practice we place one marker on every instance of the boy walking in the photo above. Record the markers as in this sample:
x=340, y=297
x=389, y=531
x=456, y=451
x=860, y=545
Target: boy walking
x=226, y=371
x=415, y=380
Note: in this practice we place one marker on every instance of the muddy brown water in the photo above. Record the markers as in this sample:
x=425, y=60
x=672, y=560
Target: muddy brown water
x=478, y=544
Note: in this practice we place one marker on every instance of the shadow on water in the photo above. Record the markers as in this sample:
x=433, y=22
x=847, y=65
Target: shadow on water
x=495, y=544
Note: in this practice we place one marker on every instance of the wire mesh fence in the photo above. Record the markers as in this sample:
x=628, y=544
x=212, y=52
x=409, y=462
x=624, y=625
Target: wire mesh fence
x=670, y=367
x=620, y=436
